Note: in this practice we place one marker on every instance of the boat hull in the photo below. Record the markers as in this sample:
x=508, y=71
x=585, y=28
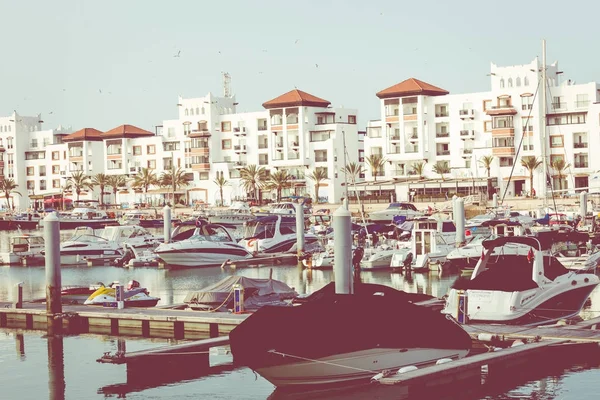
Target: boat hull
x=92, y=223
x=208, y=257
x=350, y=367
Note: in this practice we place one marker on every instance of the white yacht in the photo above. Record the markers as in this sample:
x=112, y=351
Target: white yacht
x=209, y=245
x=526, y=287
x=273, y=234
x=237, y=213
x=24, y=246
x=85, y=245
x=380, y=256
x=407, y=210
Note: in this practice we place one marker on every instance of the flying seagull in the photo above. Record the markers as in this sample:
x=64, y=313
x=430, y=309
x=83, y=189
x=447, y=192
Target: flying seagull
x=178, y=54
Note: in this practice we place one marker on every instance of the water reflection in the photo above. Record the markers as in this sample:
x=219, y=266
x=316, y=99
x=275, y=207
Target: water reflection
x=56, y=368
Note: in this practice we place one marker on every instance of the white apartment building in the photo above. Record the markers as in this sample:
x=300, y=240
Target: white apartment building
x=421, y=122
x=297, y=132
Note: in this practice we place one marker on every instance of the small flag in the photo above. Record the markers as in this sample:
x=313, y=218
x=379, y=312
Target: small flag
x=530, y=255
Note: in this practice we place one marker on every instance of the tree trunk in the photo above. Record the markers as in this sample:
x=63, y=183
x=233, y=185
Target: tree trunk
x=531, y=183
x=221, y=192
x=375, y=174
x=317, y=193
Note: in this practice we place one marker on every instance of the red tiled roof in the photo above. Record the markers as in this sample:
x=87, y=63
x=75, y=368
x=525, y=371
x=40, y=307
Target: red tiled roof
x=85, y=134
x=411, y=87
x=126, y=131
x=296, y=98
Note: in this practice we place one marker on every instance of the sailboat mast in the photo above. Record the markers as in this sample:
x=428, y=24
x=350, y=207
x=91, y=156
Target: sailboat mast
x=543, y=124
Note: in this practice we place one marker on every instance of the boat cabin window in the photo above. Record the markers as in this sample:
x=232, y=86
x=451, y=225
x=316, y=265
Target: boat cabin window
x=286, y=229
x=448, y=226
x=259, y=229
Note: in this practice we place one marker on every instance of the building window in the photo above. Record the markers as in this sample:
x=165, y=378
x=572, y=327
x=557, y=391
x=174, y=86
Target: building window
x=30, y=185
x=510, y=81
x=187, y=112
x=30, y=171
x=487, y=126
x=56, y=169
x=226, y=126
x=506, y=161
x=502, y=83
x=203, y=176
x=556, y=141
x=151, y=164
x=518, y=81
x=197, y=111
x=151, y=149
x=525, y=81
x=226, y=144
x=487, y=105
x=352, y=119
x=137, y=150
x=170, y=132
x=555, y=158
x=526, y=102
x=42, y=170
x=56, y=183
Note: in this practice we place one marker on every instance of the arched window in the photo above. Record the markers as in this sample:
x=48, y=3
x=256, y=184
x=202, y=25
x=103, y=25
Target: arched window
x=525, y=81
x=187, y=112
x=9, y=128
x=510, y=82
x=502, y=82
x=197, y=111
x=518, y=81
x=1, y=129
x=203, y=110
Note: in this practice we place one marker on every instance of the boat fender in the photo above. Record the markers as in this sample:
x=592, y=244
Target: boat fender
x=443, y=361
x=406, y=369
x=573, y=282
x=486, y=337
x=377, y=377
x=517, y=343
x=498, y=348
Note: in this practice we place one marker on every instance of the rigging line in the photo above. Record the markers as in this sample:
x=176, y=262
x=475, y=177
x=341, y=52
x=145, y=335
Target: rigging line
x=322, y=362
x=547, y=178
x=520, y=145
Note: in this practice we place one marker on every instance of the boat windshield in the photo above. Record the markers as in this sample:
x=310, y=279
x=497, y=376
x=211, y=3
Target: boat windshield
x=88, y=239
x=217, y=237
x=259, y=229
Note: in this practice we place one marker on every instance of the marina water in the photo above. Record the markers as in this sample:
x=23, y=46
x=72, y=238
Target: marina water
x=32, y=365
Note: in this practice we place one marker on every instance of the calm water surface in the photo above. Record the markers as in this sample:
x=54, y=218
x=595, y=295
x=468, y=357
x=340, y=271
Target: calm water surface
x=33, y=366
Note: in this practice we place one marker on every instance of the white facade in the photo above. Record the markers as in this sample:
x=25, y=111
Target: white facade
x=460, y=129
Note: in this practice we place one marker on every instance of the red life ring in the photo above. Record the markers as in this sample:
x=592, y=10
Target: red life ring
x=251, y=242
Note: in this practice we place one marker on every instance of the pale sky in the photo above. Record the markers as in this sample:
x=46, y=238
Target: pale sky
x=101, y=64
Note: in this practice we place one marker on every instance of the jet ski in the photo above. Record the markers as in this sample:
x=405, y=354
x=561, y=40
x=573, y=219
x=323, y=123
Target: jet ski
x=134, y=296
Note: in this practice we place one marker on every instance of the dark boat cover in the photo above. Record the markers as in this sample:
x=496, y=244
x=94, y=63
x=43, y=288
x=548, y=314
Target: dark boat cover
x=256, y=293
x=330, y=324
x=510, y=273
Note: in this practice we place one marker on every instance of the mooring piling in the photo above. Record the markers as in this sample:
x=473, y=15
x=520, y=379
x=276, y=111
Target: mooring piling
x=53, y=277
x=342, y=226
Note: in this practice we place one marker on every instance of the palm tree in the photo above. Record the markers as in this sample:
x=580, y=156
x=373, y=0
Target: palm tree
x=116, y=182
x=220, y=182
x=441, y=167
x=486, y=161
x=318, y=176
x=279, y=180
x=174, y=179
x=353, y=170
x=376, y=162
x=560, y=166
x=79, y=181
x=101, y=180
x=419, y=169
x=8, y=186
x=531, y=163
x=253, y=180
x=144, y=180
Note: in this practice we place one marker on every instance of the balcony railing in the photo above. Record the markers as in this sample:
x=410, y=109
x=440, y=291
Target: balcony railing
x=395, y=150
x=582, y=103
x=320, y=159
x=440, y=114
x=466, y=113
x=559, y=106
x=293, y=156
x=263, y=162
x=263, y=145
x=443, y=152
x=395, y=137
x=411, y=150
x=442, y=134
x=580, y=145
x=581, y=164
x=279, y=144
x=467, y=151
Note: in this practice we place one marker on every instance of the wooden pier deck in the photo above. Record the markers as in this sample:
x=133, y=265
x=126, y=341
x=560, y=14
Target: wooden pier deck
x=141, y=322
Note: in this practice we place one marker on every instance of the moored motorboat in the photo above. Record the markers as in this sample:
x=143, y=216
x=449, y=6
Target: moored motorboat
x=273, y=234
x=24, y=246
x=526, y=287
x=359, y=335
x=209, y=245
x=257, y=293
x=134, y=296
x=406, y=210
